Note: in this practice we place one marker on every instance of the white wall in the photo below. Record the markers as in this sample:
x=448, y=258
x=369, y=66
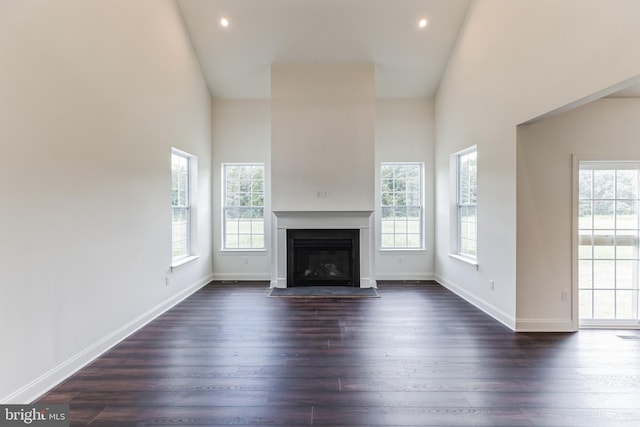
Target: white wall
x=241, y=133
x=404, y=133
x=93, y=95
x=515, y=61
x=322, y=137
x=606, y=129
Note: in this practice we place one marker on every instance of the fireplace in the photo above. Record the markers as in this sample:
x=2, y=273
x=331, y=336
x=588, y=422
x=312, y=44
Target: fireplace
x=323, y=257
x=321, y=223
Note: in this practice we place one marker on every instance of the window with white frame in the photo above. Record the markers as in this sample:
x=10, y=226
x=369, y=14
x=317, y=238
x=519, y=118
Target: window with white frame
x=608, y=250
x=182, y=170
x=243, y=206
x=467, y=202
x=401, y=203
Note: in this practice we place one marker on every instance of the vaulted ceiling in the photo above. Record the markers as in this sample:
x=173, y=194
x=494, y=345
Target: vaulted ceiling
x=409, y=60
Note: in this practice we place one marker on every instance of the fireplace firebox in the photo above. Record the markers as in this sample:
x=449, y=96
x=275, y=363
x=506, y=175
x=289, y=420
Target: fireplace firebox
x=323, y=257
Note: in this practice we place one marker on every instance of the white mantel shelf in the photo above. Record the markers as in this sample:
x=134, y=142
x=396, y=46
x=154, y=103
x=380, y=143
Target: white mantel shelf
x=323, y=219
x=283, y=220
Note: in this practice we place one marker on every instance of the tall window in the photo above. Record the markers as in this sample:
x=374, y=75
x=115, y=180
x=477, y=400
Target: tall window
x=181, y=209
x=467, y=202
x=608, y=250
x=401, y=206
x=243, y=201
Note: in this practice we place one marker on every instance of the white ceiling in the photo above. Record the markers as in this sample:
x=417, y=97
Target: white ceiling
x=409, y=61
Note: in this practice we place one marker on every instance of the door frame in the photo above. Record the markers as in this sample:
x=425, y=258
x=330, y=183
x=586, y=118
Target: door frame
x=576, y=158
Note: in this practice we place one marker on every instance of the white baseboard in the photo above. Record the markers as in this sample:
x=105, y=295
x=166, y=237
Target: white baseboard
x=544, y=325
x=366, y=282
x=502, y=317
x=234, y=277
x=36, y=388
x=406, y=276
x=278, y=283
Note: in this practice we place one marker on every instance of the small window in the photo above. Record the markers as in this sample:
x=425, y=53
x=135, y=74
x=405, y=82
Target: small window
x=243, y=206
x=401, y=206
x=467, y=202
x=182, y=170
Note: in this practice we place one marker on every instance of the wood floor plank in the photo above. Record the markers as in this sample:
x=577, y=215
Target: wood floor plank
x=417, y=356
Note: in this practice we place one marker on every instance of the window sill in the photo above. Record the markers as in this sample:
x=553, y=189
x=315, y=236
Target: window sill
x=473, y=263
x=240, y=251
x=403, y=250
x=179, y=263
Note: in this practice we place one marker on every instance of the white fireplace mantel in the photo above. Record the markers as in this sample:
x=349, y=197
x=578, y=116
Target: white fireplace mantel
x=283, y=220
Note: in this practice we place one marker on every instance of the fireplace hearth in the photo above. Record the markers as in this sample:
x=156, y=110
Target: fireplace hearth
x=323, y=257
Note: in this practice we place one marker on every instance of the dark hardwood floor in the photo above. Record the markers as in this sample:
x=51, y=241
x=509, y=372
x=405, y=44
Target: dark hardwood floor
x=417, y=356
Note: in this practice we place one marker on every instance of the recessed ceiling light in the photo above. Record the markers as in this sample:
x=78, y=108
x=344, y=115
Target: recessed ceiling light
x=422, y=23
x=224, y=22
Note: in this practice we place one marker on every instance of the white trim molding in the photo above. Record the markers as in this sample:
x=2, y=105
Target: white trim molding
x=284, y=220
x=493, y=311
x=179, y=263
x=237, y=277
x=544, y=325
x=471, y=262
x=406, y=276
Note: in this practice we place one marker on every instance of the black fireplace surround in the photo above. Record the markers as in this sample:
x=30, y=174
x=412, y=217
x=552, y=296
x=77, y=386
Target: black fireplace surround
x=320, y=257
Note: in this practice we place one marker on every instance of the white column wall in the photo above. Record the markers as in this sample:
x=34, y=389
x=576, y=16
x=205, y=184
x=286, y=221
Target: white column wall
x=322, y=137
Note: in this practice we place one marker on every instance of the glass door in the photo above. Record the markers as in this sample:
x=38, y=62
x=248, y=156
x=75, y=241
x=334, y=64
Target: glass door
x=609, y=223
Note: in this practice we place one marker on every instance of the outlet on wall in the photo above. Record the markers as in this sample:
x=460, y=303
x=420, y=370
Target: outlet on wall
x=167, y=280
x=492, y=285
x=564, y=295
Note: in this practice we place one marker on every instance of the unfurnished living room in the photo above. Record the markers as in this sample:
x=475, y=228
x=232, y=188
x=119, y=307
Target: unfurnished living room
x=320, y=212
